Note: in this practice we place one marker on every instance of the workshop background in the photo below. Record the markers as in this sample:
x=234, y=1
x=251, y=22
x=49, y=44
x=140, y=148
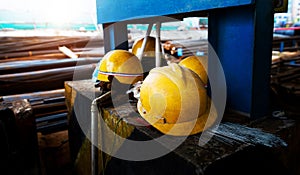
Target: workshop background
x=50, y=52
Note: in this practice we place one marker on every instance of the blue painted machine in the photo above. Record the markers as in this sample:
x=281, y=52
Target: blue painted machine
x=239, y=32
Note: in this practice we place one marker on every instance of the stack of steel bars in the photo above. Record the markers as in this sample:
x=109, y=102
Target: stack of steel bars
x=34, y=68
x=285, y=79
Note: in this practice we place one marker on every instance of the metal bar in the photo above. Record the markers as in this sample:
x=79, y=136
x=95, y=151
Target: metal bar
x=53, y=127
x=35, y=81
x=157, y=46
x=34, y=65
x=50, y=118
x=95, y=113
x=34, y=95
x=287, y=28
x=140, y=54
x=94, y=138
x=41, y=115
x=281, y=46
x=252, y=55
x=115, y=36
x=106, y=10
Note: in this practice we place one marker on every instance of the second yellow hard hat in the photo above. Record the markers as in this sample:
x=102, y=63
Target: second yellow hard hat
x=121, y=64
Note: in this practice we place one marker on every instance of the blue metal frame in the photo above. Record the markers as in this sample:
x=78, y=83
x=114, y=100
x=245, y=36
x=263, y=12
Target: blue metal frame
x=137, y=9
x=240, y=32
x=242, y=39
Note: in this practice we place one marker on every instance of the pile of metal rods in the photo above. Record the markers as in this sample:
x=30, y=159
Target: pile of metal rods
x=285, y=84
x=34, y=68
x=32, y=48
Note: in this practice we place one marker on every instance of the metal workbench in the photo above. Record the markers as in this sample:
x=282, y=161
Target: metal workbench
x=237, y=147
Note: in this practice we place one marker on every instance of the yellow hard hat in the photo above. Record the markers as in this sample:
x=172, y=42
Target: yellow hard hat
x=173, y=100
x=121, y=64
x=149, y=47
x=197, y=64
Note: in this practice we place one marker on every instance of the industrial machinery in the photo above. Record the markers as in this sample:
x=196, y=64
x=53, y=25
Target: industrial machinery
x=240, y=35
x=234, y=45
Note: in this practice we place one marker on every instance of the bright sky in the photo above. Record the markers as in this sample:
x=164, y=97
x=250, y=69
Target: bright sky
x=59, y=11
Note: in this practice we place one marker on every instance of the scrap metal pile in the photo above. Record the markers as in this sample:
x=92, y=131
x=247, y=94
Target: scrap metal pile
x=35, y=69
x=285, y=79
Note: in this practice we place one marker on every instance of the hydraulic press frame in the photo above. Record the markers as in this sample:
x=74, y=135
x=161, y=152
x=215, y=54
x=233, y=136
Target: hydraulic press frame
x=240, y=32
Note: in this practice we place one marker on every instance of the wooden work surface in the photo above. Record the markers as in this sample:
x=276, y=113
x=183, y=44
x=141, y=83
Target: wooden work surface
x=264, y=146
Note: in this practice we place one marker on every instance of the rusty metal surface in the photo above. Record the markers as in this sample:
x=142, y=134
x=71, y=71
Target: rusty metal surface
x=19, y=147
x=230, y=140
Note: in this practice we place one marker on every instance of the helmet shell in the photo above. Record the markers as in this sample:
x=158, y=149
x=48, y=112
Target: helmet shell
x=121, y=64
x=197, y=64
x=173, y=99
x=149, y=47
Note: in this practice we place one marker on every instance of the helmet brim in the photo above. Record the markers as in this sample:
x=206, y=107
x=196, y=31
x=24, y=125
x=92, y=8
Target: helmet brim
x=205, y=121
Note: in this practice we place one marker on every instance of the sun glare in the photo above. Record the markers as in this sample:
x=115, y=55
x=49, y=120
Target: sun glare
x=59, y=12
x=55, y=15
